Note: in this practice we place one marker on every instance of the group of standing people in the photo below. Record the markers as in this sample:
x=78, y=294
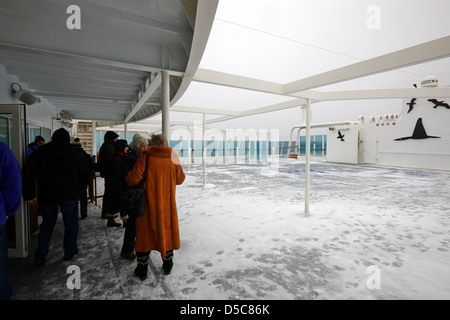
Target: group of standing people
x=124, y=166
x=56, y=175
x=61, y=171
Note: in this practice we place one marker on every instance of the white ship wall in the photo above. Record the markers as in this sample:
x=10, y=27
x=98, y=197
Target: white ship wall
x=376, y=142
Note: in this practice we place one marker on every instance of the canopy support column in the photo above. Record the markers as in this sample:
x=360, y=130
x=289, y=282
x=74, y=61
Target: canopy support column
x=94, y=140
x=165, y=104
x=308, y=154
x=189, y=148
x=204, y=148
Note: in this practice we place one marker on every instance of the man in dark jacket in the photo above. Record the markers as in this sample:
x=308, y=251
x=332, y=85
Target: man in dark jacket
x=105, y=153
x=85, y=178
x=56, y=168
x=116, y=168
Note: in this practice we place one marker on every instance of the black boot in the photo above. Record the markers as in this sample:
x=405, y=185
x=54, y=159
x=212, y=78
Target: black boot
x=168, y=262
x=142, y=265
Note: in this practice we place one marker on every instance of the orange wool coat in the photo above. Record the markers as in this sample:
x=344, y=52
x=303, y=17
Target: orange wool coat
x=158, y=229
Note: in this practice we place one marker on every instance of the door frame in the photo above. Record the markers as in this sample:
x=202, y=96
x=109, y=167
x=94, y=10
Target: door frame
x=18, y=147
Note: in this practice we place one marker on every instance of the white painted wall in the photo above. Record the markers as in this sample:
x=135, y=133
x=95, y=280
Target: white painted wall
x=377, y=145
x=345, y=151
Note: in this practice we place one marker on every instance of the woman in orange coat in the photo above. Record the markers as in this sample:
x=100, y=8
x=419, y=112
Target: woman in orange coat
x=157, y=229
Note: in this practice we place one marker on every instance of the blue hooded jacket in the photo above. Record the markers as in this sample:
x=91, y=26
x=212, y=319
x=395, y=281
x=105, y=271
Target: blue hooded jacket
x=10, y=184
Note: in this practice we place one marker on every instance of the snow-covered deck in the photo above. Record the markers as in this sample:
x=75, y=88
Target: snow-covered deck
x=373, y=233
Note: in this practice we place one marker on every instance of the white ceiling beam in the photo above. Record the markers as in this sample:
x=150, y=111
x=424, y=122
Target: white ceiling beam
x=54, y=66
x=275, y=107
x=91, y=105
x=185, y=34
x=76, y=108
x=93, y=115
x=74, y=58
x=313, y=95
x=235, y=81
x=240, y=82
x=107, y=10
x=94, y=104
x=144, y=123
x=205, y=110
x=429, y=51
x=68, y=79
x=86, y=87
x=81, y=97
x=398, y=93
x=154, y=85
x=221, y=119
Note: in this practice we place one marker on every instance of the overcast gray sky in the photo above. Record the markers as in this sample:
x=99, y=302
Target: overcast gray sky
x=287, y=40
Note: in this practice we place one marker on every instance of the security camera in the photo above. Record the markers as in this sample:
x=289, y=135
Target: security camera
x=331, y=128
x=24, y=96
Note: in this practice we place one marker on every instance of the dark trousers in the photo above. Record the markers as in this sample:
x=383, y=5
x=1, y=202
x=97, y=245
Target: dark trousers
x=129, y=237
x=82, y=197
x=5, y=285
x=69, y=212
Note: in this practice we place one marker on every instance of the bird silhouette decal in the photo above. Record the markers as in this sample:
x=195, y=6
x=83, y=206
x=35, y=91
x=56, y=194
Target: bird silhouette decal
x=340, y=136
x=439, y=103
x=411, y=104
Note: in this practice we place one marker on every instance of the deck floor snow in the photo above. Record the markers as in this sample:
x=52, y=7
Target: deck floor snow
x=373, y=233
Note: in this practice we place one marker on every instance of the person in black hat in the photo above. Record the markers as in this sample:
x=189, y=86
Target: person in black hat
x=106, y=151
x=39, y=141
x=56, y=168
x=85, y=178
x=117, y=167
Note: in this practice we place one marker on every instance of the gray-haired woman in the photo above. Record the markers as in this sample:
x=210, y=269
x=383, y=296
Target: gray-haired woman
x=137, y=146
